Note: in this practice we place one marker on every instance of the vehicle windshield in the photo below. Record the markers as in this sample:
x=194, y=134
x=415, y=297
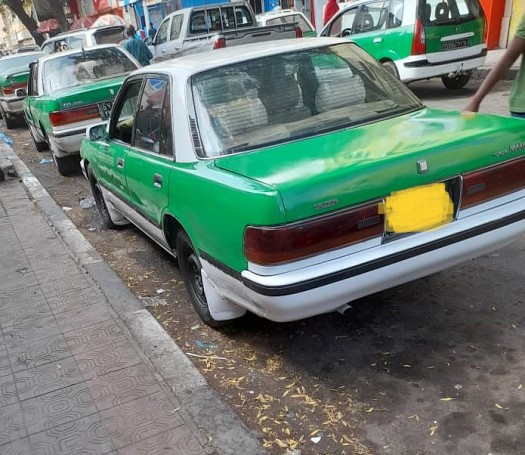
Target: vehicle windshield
x=438, y=12
x=84, y=67
x=295, y=95
x=21, y=61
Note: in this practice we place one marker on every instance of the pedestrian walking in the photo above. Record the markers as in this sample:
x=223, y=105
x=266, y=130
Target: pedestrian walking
x=515, y=49
x=137, y=47
x=152, y=30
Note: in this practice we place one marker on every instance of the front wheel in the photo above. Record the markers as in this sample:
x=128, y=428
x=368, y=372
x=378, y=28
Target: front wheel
x=456, y=82
x=100, y=202
x=191, y=273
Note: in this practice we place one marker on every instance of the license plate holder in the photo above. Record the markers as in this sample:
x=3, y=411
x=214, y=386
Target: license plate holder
x=418, y=209
x=104, y=108
x=456, y=44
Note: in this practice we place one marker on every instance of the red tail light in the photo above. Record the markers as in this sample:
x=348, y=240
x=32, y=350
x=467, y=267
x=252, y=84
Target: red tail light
x=10, y=89
x=482, y=186
x=298, y=32
x=274, y=245
x=419, y=41
x=219, y=43
x=61, y=118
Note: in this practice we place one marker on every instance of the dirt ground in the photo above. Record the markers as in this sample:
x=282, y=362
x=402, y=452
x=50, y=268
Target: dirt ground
x=432, y=367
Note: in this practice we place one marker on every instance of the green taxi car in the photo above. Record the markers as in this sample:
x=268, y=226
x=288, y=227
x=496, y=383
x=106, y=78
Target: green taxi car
x=14, y=72
x=69, y=91
x=417, y=39
x=291, y=180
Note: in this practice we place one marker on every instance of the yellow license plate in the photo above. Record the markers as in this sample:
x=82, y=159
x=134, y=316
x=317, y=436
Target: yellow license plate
x=418, y=209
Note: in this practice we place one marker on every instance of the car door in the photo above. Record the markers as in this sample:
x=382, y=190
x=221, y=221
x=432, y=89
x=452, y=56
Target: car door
x=150, y=159
x=111, y=159
x=31, y=92
x=370, y=26
x=342, y=25
x=161, y=43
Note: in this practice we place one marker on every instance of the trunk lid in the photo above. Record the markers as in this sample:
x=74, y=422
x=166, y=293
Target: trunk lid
x=338, y=170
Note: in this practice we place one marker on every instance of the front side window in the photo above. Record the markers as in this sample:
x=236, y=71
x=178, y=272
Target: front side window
x=162, y=34
x=123, y=120
x=343, y=25
x=148, y=121
x=285, y=97
x=87, y=66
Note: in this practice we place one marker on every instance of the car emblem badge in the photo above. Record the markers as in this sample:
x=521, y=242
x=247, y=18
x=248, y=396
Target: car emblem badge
x=422, y=166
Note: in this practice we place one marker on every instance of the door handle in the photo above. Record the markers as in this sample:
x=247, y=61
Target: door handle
x=120, y=162
x=163, y=51
x=377, y=40
x=157, y=180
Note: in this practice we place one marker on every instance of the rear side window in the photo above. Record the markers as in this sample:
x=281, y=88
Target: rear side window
x=438, y=12
x=176, y=25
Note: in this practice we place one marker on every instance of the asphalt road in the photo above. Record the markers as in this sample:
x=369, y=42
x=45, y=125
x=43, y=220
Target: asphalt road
x=435, y=366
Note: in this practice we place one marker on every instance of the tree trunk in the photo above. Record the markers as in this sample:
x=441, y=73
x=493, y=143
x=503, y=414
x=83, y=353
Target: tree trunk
x=28, y=21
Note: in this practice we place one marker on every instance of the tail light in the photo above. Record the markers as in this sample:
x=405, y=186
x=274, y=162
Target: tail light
x=493, y=182
x=298, y=32
x=419, y=41
x=9, y=90
x=278, y=244
x=219, y=43
x=61, y=118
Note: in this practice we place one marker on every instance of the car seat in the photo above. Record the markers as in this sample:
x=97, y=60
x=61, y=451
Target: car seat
x=441, y=12
x=339, y=90
x=366, y=23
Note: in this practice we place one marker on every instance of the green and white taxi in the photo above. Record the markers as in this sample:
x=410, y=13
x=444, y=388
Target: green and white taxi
x=14, y=72
x=291, y=180
x=417, y=39
x=69, y=91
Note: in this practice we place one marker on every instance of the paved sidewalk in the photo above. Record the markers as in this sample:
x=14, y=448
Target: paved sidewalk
x=84, y=369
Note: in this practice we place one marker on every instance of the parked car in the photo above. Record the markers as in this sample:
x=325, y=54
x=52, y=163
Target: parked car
x=204, y=28
x=417, y=39
x=69, y=91
x=292, y=179
x=14, y=72
x=287, y=16
x=79, y=39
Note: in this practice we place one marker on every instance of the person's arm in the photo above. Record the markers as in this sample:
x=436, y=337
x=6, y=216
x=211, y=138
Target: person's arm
x=515, y=49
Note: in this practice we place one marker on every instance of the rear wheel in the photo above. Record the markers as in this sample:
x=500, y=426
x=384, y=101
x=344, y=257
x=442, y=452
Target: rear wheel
x=67, y=165
x=456, y=82
x=100, y=202
x=9, y=122
x=39, y=145
x=391, y=67
x=191, y=273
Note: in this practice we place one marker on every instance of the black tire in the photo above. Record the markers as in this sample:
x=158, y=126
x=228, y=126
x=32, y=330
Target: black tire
x=39, y=145
x=457, y=82
x=9, y=123
x=190, y=270
x=391, y=67
x=67, y=165
x=100, y=202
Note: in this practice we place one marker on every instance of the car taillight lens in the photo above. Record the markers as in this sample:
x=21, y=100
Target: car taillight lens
x=496, y=181
x=60, y=118
x=10, y=89
x=298, y=32
x=219, y=43
x=279, y=244
x=419, y=41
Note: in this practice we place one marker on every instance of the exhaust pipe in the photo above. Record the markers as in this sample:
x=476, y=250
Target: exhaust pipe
x=344, y=309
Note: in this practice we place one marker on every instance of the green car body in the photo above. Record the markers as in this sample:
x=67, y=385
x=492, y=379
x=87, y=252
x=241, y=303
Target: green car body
x=417, y=39
x=289, y=217
x=14, y=73
x=70, y=91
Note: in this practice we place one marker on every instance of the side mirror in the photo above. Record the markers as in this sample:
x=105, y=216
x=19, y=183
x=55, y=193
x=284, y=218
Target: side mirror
x=97, y=132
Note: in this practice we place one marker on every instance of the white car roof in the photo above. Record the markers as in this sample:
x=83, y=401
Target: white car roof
x=79, y=51
x=195, y=63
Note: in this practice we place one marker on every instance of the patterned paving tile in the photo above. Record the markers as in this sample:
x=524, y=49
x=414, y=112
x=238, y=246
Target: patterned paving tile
x=140, y=419
x=12, y=425
x=47, y=378
x=81, y=318
x=8, y=391
x=86, y=436
x=35, y=352
x=74, y=297
x=16, y=281
x=177, y=441
x=17, y=447
x=88, y=338
x=57, y=408
x=23, y=312
x=5, y=364
x=27, y=332
x=103, y=358
x=122, y=386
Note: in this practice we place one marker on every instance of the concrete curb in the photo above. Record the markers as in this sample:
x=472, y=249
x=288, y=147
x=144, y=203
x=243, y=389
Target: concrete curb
x=213, y=422
x=6, y=166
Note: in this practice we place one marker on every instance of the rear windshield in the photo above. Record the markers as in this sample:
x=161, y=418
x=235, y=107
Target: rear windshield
x=112, y=35
x=289, y=96
x=438, y=12
x=85, y=67
x=18, y=62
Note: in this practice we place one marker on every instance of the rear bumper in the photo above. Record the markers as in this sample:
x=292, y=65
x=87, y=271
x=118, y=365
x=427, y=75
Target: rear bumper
x=67, y=142
x=418, y=67
x=323, y=287
x=13, y=105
